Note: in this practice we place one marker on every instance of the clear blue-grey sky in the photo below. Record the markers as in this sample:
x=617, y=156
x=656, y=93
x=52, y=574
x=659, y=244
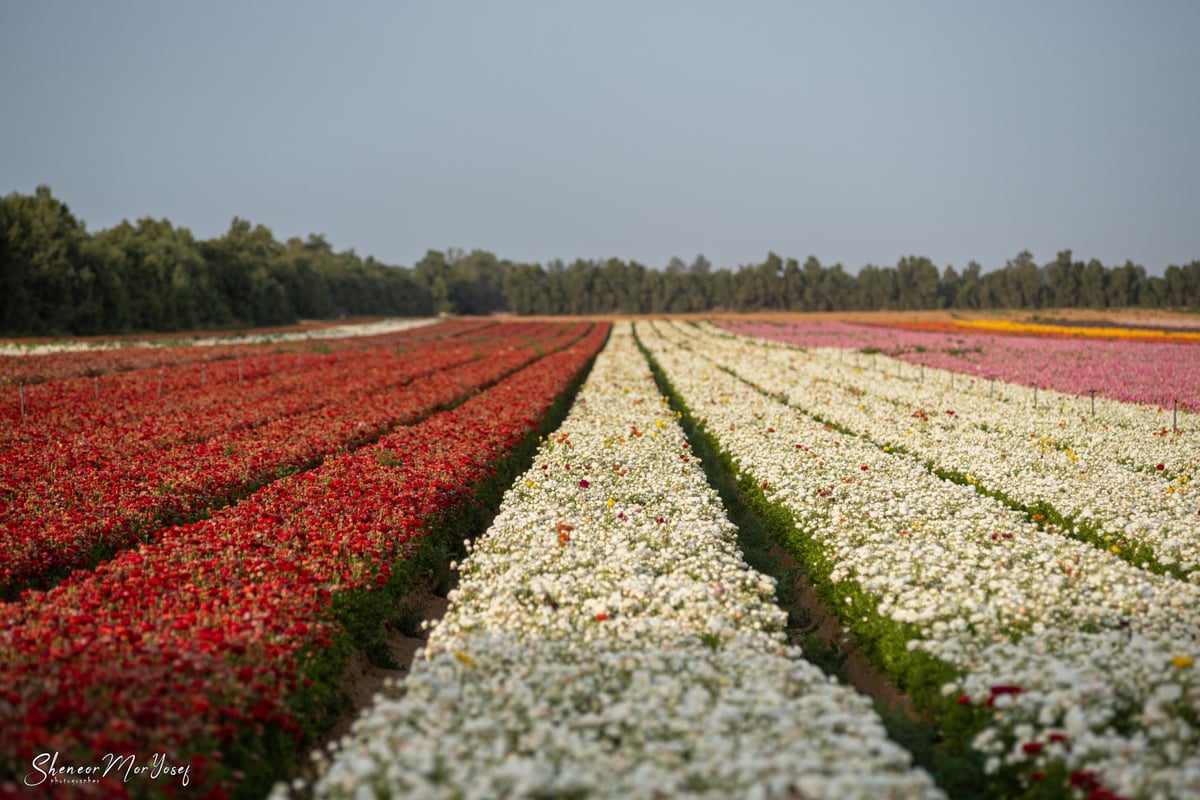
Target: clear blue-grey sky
x=857, y=132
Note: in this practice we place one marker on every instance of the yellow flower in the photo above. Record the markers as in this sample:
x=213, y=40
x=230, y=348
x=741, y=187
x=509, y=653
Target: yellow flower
x=1182, y=662
x=1115, y=549
x=465, y=659
x=530, y=484
x=610, y=502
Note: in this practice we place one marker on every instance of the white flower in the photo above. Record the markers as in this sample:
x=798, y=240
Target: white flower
x=587, y=649
x=1096, y=637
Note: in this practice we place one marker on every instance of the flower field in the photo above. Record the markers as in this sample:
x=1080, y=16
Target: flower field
x=1155, y=372
x=1118, y=477
x=606, y=639
x=100, y=484
x=224, y=634
x=1078, y=664
x=194, y=547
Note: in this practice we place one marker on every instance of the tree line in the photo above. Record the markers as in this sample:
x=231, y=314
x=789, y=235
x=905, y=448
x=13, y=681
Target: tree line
x=56, y=278
x=777, y=284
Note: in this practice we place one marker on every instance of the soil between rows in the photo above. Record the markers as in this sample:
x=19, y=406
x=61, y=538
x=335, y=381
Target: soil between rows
x=363, y=680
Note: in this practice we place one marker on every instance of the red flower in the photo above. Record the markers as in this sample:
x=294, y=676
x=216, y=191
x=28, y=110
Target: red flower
x=583, y=484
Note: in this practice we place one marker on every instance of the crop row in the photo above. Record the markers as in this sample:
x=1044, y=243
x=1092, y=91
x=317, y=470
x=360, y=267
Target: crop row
x=220, y=644
x=81, y=426
x=83, y=511
x=1122, y=486
x=606, y=639
x=58, y=411
x=1150, y=373
x=107, y=359
x=1072, y=668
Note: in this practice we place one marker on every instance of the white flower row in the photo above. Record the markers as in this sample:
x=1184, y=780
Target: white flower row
x=973, y=576
x=606, y=639
x=1043, y=454
x=347, y=331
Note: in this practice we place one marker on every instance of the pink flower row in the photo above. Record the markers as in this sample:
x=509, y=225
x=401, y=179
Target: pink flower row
x=1152, y=373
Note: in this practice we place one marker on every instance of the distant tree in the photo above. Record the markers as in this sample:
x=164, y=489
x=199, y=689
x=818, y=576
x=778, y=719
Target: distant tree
x=837, y=288
x=433, y=272
x=44, y=285
x=525, y=290
x=948, y=287
x=1182, y=285
x=793, y=286
x=876, y=288
x=1124, y=285
x=1027, y=279
x=1091, y=285
x=168, y=281
x=1059, y=287
x=476, y=282
x=969, y=293
x=239, y=263
x=916, y=283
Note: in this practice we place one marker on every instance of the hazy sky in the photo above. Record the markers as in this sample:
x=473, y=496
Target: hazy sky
x=853, y=131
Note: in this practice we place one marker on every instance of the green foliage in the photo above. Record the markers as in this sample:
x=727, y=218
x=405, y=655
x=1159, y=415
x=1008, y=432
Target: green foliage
x=55, y=278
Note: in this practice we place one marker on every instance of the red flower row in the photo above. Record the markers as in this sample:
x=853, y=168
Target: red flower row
x=182, y=645
x=32, y=369
x=163, y=408
x=75, y=510
x=184, y=378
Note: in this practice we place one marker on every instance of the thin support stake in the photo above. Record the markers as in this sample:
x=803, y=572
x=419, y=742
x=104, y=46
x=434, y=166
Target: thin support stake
x=22, y=390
